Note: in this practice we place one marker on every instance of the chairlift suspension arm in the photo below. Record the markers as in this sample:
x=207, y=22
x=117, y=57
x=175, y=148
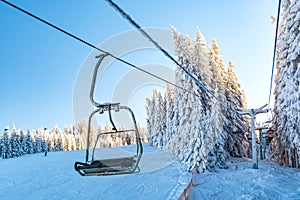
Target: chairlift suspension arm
x=100, y=58
x=139, y=150
x=88, y=134
x=111, y=120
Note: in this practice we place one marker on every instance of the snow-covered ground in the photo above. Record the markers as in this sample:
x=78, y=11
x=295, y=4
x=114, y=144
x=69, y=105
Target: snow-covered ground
x=240, y=181
x=53, y=177
x=161, y=177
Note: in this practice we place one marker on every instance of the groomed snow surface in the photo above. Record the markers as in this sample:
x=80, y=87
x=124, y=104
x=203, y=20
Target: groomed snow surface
x=161, y=177
x=53, y=177
x=240, y=181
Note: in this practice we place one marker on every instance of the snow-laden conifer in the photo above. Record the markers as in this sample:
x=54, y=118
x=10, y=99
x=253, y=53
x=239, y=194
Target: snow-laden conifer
x=237, y=143
x=217, y=131
x=197, y=127
x=286, y=144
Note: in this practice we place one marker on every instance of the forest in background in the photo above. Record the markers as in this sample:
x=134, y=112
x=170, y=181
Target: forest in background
x=16, y=142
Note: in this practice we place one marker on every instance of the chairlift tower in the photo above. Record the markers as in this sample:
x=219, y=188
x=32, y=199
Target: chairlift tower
x=252, y=113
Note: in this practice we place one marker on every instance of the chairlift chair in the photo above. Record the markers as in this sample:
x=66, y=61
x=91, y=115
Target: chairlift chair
x=121, y=165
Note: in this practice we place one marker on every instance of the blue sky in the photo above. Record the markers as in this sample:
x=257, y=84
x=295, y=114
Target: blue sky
x=39, y=65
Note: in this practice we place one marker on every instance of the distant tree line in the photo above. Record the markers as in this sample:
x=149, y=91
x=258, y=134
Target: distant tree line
x=16, y=142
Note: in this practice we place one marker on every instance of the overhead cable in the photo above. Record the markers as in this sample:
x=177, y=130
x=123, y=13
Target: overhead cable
x=156, y=44
x=274, y=52
x=143, y=32
x=95, y=47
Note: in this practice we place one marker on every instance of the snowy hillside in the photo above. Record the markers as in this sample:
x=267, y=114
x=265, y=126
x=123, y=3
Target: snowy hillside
x=161, y=177
x=53, y=177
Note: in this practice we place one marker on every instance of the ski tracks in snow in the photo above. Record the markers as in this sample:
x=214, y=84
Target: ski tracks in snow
x=183, y=180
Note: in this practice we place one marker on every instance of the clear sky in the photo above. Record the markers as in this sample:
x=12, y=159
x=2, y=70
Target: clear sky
x=39, y=65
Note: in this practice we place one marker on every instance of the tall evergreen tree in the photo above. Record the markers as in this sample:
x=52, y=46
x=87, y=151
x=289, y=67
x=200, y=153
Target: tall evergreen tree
x=201, y=60
x=160, y=116
x=23, y=150
x=7, y=150
x=169, y=99
x=29, y=143
x=237, y=143
x=182, y=110
x=15, y=143
x=286, y=144
x=218, y=134
x=38, y=144
x=151, y=113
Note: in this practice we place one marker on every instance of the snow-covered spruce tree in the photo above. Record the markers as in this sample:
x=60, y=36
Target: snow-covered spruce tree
x=15, y=143
x=237, y=144
x=81, y=128
x=78, y=137
x=6, y=146
x=64, y=141
x=23, y=143
x=150, y=109
x=190, y=108
x=286, y=144
x=201, y=62
x=172, y=145
x=39, y=140
x=143, y=133
x=160, y=118
x=44, y=145
x=48, y=137
x=156, y=122
x=57, y=135
x=29, y=143
x=38, y=144
x=100, y=143
x=202, y=72
x=169, y=99
x=185, y=124
x=244, y=99
x=218, y=135
x=184, y=51
x=196, y=152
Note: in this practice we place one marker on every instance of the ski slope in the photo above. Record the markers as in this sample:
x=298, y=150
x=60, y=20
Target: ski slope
x=161, y=177
x=53, y=177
